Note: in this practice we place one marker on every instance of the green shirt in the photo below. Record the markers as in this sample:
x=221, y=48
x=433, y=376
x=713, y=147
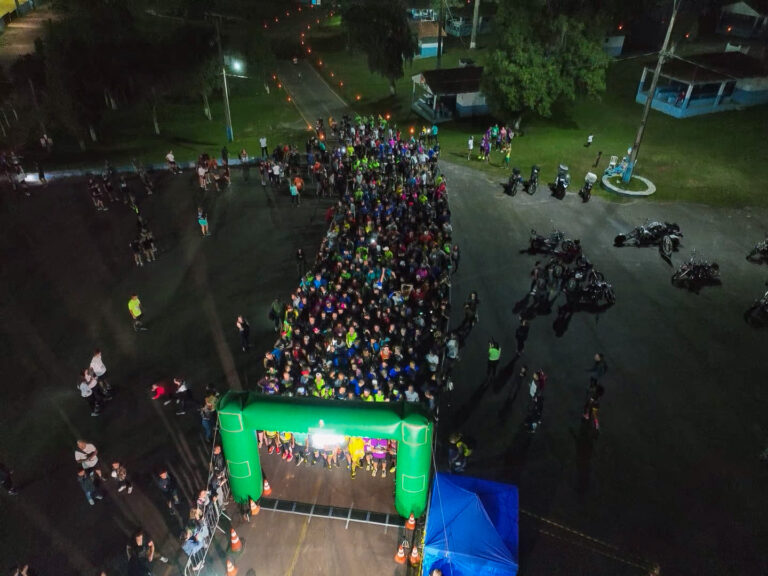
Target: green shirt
x=494, y=353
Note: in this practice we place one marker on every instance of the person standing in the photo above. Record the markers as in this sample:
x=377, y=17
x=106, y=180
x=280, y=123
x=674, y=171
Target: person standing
x=208, y=416
x=99, y=369
x=87, y=387
x=89, y=487
x=264, y=149
x=295, y=194
x=301, y=262
x=182, y=395
x=225, y=156
x=120, y=474
x=6, y=481
x=521, y=335
x=470, y=147
x=168, y=487
x=87, y=456
x=276, y=313
x=455, y=257
x=134, y=307
x=140, y=551
x=202, y=220
x=244, y=164
x=597, y=160
x=494, y=355
x=244, y=329
x=592, y=405
x=599, y=368
x=588, y=143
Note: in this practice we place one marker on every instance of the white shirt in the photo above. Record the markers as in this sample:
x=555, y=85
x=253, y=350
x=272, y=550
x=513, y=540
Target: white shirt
x=276, y=170
x=97, y=365
x=263, y=142
x=471, y=143
x=86, y=389
x=533, y=388
x=170, y=157
x=87, y=456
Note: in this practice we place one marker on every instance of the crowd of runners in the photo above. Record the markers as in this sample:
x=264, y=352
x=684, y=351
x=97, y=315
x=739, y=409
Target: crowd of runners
x=368, y=321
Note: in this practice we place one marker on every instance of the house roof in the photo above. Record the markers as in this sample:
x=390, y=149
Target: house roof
x=426, y=29
x=741, y=8
x=453, y=80
x=707, y=68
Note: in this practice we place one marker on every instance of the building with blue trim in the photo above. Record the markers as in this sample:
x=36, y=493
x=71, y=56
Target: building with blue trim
x=706, y=83
x=448, y=91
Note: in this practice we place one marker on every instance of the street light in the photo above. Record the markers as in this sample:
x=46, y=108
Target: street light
x=237, y=66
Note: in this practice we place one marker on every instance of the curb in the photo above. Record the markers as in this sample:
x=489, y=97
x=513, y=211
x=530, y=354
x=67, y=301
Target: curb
x=650, y=187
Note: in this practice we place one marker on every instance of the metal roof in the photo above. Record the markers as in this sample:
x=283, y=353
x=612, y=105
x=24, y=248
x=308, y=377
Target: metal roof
x=717, y=67
x=453, y=80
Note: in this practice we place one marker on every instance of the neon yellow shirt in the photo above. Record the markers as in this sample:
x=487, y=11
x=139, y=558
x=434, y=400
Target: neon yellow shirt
x=134, y=307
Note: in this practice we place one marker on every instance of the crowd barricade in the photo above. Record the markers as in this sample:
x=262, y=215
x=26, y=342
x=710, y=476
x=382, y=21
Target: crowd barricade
x=209, y=524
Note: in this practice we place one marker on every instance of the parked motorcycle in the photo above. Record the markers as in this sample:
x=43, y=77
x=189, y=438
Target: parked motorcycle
x=569, y=250
x=696, y=273
x=757, y=314
x=560, y=185
x=586, y=190
x=531, y=185
x=510, y=188
x=665, y=235
x=545, y=244
x=759, y=252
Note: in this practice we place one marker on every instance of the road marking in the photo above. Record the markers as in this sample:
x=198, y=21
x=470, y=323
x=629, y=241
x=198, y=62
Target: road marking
x=303, y=534
x=650, y=568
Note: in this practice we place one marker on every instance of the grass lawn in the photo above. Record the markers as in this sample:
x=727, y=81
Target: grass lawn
x=715, y=159
x=129, y=133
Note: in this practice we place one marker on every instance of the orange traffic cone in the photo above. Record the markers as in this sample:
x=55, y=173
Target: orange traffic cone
x=400, y=556
x=234, y=541
x=414, y=558
x=231, y=569
x=267, y=488
x=411, y=523
x=255, y=508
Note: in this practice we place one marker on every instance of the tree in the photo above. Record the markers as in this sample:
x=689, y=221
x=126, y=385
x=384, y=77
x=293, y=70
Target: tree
x=381, y=31
x=541, y=57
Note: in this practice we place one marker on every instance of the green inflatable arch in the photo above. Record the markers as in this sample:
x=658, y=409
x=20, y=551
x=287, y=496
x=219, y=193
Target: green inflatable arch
x=242, y=413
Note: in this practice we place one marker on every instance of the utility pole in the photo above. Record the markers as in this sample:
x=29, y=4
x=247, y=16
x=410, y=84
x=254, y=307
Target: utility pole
x=227, y=113
x=475, y=16
x=649, y=99
x=440, y=23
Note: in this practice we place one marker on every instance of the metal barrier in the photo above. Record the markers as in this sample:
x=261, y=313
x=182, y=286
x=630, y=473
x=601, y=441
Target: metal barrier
x=209, y=523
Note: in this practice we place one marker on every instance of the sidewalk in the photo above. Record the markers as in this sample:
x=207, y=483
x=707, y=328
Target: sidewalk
x=19, y=36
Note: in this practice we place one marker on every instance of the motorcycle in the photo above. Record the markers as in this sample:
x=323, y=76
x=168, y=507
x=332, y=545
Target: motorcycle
x=696, y=273
x=510, y=188
x=586, y=190
x=757, y=314
x=665, y=235
x=569, y=250
x=759, y=252
x=560, y=185
x=531, y=185
x=545, y=244
x=595, y=292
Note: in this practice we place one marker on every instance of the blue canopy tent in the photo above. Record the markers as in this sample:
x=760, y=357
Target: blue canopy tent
x=471, y=527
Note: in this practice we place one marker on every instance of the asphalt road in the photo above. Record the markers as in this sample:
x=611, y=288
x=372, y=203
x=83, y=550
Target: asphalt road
x=674, y=476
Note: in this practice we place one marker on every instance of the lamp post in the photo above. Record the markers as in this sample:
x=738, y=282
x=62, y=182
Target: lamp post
x=227, y=113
